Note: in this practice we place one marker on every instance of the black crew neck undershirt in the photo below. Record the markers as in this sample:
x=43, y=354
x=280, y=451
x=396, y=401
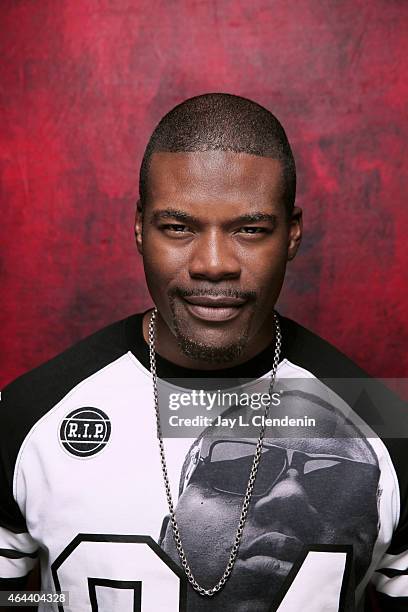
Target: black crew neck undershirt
x=253, y=368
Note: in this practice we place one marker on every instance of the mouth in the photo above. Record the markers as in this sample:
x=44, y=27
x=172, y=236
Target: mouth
x=271, y=554
x=261, y=568
x=213, y=308
x=273, y=544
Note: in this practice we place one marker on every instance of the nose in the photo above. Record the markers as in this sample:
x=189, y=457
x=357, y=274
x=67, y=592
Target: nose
x=214, y=258
x=287, y=501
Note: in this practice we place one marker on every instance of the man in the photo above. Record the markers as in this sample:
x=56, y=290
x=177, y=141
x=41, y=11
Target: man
x=81, y=475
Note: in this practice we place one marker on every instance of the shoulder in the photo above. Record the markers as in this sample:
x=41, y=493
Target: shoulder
x=372, y=398
x=27, y=398
x=378, y=405
x=315, y=354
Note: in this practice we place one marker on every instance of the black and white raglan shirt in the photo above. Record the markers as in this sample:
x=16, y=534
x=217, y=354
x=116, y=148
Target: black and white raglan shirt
x=81, y=485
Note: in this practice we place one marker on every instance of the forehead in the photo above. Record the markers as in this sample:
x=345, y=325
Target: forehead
x=205, y=175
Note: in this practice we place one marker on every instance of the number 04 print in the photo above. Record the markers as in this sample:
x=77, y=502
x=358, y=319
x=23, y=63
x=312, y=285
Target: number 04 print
x=115, y=572
x=133, y=574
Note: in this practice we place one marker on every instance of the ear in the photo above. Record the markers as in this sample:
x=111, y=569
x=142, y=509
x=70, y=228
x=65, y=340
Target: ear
x=139, y=227
x=295, y=232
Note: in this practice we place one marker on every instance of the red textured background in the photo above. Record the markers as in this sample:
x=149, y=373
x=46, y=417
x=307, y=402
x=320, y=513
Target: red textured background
x=82, y=86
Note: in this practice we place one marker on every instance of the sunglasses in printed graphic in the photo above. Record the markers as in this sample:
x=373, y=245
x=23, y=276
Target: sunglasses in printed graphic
x=227, y=465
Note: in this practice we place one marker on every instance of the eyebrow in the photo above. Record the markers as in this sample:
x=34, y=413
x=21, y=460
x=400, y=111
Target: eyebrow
x=172, y=212
x=257, y=216
x=181, y=215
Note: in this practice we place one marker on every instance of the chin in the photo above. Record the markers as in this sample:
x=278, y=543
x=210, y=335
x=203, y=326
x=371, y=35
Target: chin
x=211, y=353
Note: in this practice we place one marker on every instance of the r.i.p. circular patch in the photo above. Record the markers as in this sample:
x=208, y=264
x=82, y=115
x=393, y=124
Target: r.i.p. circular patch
x=85, y=431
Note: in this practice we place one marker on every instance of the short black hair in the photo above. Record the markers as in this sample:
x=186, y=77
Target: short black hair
x=222, y=122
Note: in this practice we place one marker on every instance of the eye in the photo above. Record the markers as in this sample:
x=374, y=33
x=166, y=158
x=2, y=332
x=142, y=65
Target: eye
x=178, y=228
x=251, y=230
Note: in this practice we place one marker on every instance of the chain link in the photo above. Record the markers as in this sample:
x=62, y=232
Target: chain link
x=252, y=476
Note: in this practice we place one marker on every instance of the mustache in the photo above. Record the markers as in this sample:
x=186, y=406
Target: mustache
x=185, y=292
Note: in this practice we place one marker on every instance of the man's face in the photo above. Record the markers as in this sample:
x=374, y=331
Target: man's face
x=215, y=242
x=308, y=492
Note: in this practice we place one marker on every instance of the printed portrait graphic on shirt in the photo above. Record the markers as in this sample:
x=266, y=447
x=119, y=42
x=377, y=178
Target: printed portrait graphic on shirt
x=316, y=493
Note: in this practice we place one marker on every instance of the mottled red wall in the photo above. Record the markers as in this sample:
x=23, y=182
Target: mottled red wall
x=82, y=85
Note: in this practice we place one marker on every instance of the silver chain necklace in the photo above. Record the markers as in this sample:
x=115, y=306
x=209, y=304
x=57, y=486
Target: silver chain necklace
x=252, y=476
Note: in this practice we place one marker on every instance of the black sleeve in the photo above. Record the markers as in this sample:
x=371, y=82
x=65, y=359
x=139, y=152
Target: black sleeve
x=14, y=584
x=18, y=550
x=390, y=579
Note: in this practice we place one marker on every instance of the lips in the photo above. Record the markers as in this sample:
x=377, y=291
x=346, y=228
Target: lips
x=269, y=558
x=213, y=308
x=215, y=301
x=273, y=544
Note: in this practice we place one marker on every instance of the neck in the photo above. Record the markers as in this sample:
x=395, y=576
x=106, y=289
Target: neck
x=168, y=348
